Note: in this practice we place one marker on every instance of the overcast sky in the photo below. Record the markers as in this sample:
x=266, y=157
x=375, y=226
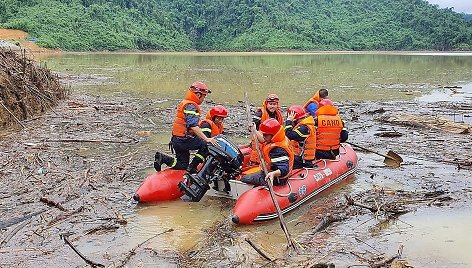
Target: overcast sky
x=459, y=5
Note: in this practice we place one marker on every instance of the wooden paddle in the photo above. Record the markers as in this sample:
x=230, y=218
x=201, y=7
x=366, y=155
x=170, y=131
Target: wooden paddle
x=392, y=159
x=291, y=243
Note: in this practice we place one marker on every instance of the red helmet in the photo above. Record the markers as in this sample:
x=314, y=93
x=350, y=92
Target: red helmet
x=299, y=111
x=272, y=97
x=218, y=110
x=325, y=102
x=200, y=87
x=270, y=126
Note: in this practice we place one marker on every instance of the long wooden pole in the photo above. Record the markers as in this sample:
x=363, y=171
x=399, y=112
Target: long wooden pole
x=269, y=182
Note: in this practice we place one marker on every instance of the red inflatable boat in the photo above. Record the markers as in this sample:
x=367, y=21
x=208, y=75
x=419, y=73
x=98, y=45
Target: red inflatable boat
x=222, y=170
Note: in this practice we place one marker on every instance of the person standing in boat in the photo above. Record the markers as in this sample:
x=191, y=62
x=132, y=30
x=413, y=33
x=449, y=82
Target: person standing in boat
x=186, y=133
x=211, y=126
x=330, y=131
x=300, y=130
x=276, y=152
x=270, y=109
x=314, y=102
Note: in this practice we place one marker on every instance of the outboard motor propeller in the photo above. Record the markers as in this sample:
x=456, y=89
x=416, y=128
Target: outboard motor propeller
x=223, y=162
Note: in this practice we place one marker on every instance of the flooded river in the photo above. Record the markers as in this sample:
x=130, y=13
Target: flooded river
x=431, y=236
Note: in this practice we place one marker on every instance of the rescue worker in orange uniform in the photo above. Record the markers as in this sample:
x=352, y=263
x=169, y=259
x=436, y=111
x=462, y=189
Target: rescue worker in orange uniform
x=270, y=109
x=314, y=102
x=300, y=130
x=330, y=131
x=276, y=152
x=186, y=133
x=211, y=126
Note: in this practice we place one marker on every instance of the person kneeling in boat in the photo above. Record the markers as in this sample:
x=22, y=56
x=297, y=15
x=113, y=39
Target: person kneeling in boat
x=270, y=109
x=276, y=152
x=300, y=130
x=314, y=102
x=186, y=133
x=330, y=131
x=211, y=126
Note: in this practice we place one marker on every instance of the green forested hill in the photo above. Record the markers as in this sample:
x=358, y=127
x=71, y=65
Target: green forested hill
x=238, y=25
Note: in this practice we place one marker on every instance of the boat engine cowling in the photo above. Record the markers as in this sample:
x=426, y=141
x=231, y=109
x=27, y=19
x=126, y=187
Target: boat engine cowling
x=223, y=162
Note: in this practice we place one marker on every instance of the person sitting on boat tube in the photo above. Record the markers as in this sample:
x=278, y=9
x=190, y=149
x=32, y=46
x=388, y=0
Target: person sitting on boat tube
x=211, y=126
x=300, y=130
x=276, y=152
x=314, y=102
x=186, y=133
x=270, y=109
x=330, y=131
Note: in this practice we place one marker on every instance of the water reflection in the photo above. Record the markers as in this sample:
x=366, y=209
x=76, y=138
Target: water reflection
x=293, y=76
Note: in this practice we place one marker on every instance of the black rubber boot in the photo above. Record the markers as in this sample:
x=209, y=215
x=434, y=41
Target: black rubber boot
x=192, y=167
x=158, y=161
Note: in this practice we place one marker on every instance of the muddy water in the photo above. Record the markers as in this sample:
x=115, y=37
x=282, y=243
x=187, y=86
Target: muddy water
x=293, y=76
x=363, y=77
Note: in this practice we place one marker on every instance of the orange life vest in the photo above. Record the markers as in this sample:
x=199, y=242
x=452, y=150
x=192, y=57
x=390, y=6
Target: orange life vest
x=265, y=115
x=315, y=99
x=278, y=140
x=179, y=127
x=329, y=128
x=215, y=129
x=309, y=145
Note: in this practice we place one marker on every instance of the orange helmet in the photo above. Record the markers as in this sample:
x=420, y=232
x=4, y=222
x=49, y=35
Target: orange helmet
x=299, y=111
x=325, y=102
x=270, y=126
x=272, y=97
x=200, y=87
x=218, y=110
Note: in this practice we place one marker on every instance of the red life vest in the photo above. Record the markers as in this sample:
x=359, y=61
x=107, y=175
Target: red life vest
x=314, y=99
x=278, y=140
x=265, y=115
x=329, y=128
x=215, y=129
x=179, y=127
x=309, y=148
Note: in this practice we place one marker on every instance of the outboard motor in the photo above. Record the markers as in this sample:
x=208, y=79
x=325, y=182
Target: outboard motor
x=223, y=162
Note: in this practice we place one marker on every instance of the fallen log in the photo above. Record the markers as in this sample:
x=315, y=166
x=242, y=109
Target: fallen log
x=425, y=121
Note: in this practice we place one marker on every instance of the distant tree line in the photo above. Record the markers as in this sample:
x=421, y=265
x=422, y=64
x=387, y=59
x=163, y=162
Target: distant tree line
x=239, y=25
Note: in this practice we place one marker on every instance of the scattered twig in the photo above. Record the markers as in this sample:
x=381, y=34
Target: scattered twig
x=19, y=219
x=13, y=232
x=89, y=262
x=52, y=203
x=16, y=119
x=257, y=249
x=133, y=250
x=351, y=202
x=326, y=221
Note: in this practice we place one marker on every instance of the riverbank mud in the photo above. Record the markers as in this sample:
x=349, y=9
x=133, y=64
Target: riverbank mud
x=68, y=177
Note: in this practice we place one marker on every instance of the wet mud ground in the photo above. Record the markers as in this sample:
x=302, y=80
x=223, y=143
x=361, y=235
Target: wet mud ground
x=69, y=176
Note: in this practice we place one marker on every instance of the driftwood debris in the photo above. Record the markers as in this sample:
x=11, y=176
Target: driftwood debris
x=133, y=250
x=425, y=121
x=351, y=202
x=257, y=249
x=27, y=89
x=326, y=221
x=52, y=203
x=89, y=262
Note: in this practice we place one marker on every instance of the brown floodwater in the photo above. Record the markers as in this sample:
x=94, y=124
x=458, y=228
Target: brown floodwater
x=431, y=237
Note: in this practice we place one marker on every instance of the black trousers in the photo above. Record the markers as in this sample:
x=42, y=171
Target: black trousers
x=320, y=154
x=182, y=148
x=299, y=162
x=258, y=179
